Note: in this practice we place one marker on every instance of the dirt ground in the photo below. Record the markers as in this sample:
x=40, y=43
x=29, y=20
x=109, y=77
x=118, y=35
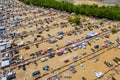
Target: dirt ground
x=98, y=66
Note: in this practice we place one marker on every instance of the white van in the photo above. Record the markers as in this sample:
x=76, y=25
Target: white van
x=67, y=76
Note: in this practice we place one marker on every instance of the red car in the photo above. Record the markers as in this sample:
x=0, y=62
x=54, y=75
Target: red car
x=66, y=61
x=68, y=33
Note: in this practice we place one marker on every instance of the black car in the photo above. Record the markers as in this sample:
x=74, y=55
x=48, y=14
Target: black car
x=35, y=73
x=116, y=59
x=83, y=78
x=50, y=55
x=10, y=77
x=24, y=33
x=23, y=67
x=108, y=64
x=46, y=68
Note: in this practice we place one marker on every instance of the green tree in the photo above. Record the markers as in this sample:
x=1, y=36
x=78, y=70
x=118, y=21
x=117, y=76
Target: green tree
x=101, y=22
x=113, y=30
x=109, y=12
x=89, y=27
x=75, y=19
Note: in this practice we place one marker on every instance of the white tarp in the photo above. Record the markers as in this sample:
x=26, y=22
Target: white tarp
x=8, y=45
x=98, y=74
x=5, y=63
x=4, y=78
x=4, y=43
x=2, y=48
x=92, y=34
x=2, y=27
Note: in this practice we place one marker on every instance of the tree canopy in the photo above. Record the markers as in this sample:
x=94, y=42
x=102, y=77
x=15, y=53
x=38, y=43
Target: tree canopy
x=113, y=30
x=109, y=12
x=75, y=19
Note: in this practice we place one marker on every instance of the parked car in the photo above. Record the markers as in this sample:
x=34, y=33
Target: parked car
x=66, y=61
x=72, y=69
x=44, y=59
x=27, y=47
x=67, y=76
x=108, y=64
x=24, y=33
x=46, y=68
x=74, y=57
x=59, y=37
x=50, y=55
x=83, y=78
x=104, y=29
x=49, y=49
x=116, y=59
x=52, y=40
x=60, y=53
x=68, y=33
x=46, y=29
x=11, y=76
x=68, y=42
x=81, y=65
x=23, y=67
x=35, y=73
x=119, y=47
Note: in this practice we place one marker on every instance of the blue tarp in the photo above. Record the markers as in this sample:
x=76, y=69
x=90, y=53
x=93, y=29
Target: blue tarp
x=10, y=61
x=1, y=31
x=10, y=77
x=3, y=18
x=60, y=32
x=2, y=48
x=15, y=21
x=0, y=35
x=88, y=36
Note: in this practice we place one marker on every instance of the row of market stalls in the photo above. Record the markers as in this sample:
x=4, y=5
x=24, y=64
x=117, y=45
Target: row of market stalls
x=7, y=61
x=5, y=44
